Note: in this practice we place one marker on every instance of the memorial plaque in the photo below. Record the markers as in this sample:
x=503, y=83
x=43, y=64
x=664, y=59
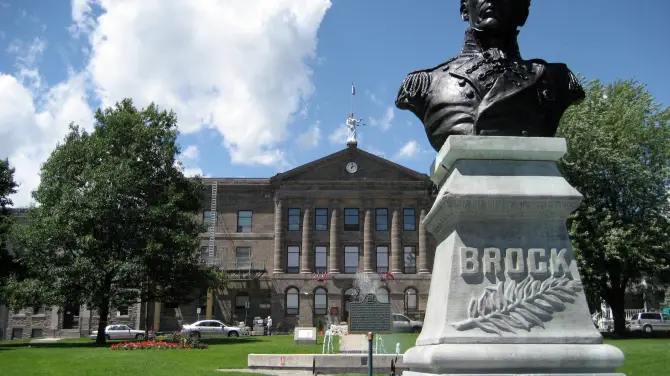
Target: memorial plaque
x=369, y=315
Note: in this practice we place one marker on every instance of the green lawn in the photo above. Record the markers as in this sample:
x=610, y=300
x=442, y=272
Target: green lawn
x=644, y=357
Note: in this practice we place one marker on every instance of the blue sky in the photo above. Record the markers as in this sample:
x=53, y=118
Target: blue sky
x=262, y=86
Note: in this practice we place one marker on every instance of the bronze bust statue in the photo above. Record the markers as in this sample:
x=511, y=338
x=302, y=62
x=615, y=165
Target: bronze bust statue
x=488, y=89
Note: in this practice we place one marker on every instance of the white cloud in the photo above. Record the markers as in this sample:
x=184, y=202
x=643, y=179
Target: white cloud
x=340, y=135
x=27, y=58
x=373, y=97
x=28, y=135
x=238, y=66
x=310, y=139
x=410, y=149
x=385, y=122
x=191, y=153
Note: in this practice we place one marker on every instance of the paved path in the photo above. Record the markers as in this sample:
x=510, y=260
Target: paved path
x=45, y=340
x=269, y=372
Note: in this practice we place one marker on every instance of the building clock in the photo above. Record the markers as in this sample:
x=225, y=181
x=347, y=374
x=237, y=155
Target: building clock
x=352, y=167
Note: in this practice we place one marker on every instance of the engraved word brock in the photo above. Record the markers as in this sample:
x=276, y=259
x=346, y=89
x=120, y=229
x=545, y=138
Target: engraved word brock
x=491, y=261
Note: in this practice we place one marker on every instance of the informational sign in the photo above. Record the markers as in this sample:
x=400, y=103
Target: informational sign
x=305, y=333
x=198, y=310
x=369, y=315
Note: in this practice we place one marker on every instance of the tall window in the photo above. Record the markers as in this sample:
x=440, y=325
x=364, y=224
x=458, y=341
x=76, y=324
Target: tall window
x=408, y=220
x=207, y=217
x=244, y=220
x=351, y=222
x=350, y=260
x=293, y=259
x=409, y=253
x=411, y=300
x=320, y=259
x=243, y=258
x=321, y=220
x=320, y=301
x=382, y=219
x=294, y=219
x=292, y=301
x=241, y=300
x=382, y=259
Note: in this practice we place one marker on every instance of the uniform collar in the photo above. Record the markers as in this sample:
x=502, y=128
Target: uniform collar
x=473, y=44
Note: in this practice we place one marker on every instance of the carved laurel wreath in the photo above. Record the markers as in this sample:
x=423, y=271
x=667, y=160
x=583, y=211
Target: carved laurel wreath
x=522, y=306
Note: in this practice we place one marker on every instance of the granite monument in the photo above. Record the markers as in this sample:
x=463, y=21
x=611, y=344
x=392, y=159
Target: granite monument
x=505, y=296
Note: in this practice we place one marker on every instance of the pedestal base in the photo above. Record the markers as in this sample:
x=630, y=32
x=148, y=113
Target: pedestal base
x=505, y=295
x=513, y=359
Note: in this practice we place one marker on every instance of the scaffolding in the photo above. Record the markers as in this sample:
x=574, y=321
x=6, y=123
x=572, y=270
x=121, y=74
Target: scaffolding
x=212, y=225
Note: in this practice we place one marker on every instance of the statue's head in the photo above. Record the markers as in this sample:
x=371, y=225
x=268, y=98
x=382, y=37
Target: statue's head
x=495, y=15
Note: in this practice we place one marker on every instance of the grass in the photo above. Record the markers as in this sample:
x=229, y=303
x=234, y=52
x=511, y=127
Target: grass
x=644, y=357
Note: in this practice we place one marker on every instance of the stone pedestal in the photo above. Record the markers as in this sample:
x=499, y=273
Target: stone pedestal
x=505, y=296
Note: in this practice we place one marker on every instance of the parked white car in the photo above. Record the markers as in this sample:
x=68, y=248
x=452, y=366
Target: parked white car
x=649, y=322
x=113, y=332
x=211, y=329
x=402, y=324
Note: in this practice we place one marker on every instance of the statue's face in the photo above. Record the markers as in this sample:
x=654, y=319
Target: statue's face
x=494, y=14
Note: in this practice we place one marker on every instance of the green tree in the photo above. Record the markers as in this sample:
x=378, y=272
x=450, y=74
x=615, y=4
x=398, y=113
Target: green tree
x=8, y=265
x=617, y=158
x=116, y=220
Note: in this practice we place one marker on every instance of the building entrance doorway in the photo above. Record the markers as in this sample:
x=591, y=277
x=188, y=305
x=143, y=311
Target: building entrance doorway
x=71, y=316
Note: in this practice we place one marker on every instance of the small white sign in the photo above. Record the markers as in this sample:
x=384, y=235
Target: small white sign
x=305, y=333
x=198, y=310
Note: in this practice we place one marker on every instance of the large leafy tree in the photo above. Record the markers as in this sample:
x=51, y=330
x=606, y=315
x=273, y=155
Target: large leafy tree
x=618, y=156
x=116, y=220
x=8, y=265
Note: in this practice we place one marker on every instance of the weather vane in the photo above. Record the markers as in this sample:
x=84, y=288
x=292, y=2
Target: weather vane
x=352, y=122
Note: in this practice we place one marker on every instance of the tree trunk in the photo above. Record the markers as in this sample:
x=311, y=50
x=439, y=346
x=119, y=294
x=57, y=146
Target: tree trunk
x=616, y=302
x=103, y=312
x=146, y=319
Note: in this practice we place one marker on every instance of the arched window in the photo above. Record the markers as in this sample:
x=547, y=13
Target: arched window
x=411, y=300
x=382, y=295
x=320, y=301
x=292, y=301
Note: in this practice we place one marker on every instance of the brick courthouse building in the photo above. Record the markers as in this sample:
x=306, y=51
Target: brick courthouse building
x=292, y=245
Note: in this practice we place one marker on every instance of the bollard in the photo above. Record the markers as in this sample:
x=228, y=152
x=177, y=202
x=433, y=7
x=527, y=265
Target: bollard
x=370, y=368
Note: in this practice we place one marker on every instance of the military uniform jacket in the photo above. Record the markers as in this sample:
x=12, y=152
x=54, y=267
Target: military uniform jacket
x=488, y=92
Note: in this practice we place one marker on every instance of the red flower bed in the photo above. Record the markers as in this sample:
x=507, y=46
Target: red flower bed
x=148, y=345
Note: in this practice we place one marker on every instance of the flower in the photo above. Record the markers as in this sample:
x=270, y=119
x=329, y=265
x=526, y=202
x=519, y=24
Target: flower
x=147, y=345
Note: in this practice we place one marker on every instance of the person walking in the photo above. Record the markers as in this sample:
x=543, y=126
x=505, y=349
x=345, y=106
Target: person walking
x=269, y=324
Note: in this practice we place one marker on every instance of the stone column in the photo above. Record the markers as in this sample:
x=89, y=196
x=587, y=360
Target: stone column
x=368, y=236
x=423, y=247
x=306, y=249
x=279, y=236
x=334, y=259
x=396, y=251
x=157, y=316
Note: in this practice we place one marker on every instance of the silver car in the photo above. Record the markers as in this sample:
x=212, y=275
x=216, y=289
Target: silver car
x=115, y=332
x=649, y=322
x=210, y=329
x=402, y=324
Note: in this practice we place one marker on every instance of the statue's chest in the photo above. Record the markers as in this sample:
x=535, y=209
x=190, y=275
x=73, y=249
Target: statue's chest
x=483, y=70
